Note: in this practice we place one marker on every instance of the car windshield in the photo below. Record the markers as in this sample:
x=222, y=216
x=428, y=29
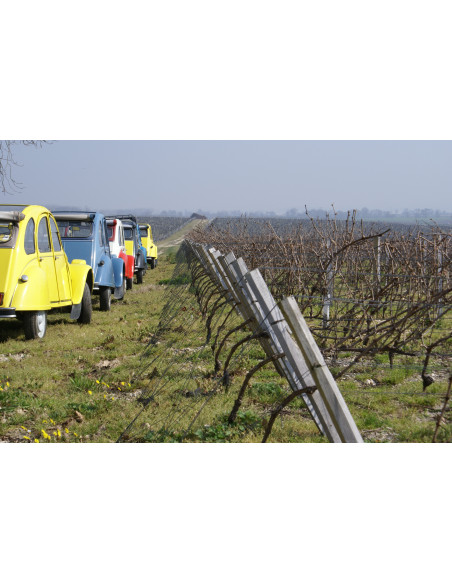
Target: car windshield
x=128, y=233
x=7, y=231
x=75, y=229
x=144, y=231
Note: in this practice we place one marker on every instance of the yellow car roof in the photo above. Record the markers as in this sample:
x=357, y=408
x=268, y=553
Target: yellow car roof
x=17, y=213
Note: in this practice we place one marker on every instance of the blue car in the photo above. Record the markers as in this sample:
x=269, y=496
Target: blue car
x=84, y=236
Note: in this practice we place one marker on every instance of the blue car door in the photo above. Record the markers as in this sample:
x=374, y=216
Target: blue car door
x=104, y=276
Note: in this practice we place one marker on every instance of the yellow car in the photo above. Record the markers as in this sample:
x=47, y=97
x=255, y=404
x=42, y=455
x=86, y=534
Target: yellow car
x=148, y=243
x=35, y=275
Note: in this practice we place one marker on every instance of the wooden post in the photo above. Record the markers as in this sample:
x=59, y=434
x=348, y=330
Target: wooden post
x=332, y=397
x=303, y=366
x=440, y=281
x=301, y=375
x=328, y=298
x=377, y=261
x=238, y=270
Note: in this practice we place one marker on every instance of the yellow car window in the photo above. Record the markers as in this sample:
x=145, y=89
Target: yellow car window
x=6, y=232
x=43, y=236
x=29, y=238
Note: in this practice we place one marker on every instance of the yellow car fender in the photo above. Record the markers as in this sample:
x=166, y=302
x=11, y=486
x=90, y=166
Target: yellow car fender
x=34, y=293
x=129, y=248
x=80, y=273
x=153, y=251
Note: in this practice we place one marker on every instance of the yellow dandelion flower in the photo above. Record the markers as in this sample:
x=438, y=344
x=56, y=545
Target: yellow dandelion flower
x=59, y=434
x=54, y=433
x=122, y=383
x=97, y=381
x=7, y=383
x=129, y=385
x=75, y=434
x=51, y=421
x=103, y=383
x=36, y=440
x=66, y=430
x=90, y=392
x=1, y=388
x=44, y=433
x=23, y=428
x=44, y=421
x=112, y=399
x=105, y=395
x=26, y=437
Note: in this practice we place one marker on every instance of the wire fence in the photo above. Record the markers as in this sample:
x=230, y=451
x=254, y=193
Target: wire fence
x=184, y=397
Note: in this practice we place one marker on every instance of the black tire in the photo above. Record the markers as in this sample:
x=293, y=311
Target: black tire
x=105, y=298
x=35, y=324
x=87, y=308
x=140, y=273
x=129, y=283
x=153, y=263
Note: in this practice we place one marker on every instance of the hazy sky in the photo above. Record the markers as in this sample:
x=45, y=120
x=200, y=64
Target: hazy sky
x=237, y=175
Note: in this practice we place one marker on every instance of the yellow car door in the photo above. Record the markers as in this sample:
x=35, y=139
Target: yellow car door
x=61, y=265
x=46, y=259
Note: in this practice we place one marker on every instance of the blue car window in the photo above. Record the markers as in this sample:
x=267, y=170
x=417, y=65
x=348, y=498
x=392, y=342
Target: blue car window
x=43, y=236
x=29, y=237
x=105, y=230
x=101, y=234
x=55, y=238
x=75, y=229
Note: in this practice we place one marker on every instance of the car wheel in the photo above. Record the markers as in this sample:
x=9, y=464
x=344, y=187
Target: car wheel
x=105, y=298
x=129, y=283
x=35, y=324
x=87, y=309
x=140, y=273
x=152, y=263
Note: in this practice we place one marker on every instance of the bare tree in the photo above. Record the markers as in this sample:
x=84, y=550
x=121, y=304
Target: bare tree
x=7, y=182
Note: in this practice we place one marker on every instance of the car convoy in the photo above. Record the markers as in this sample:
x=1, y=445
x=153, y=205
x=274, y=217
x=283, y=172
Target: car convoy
x=57, y=260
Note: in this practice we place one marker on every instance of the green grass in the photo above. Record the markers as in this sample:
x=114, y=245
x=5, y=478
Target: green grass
x=82, y=383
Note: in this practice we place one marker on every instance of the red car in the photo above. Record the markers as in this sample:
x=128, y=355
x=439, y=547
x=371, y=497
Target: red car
x=118, y=248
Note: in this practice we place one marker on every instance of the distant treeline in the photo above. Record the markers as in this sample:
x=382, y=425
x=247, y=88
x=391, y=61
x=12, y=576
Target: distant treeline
x=403, y=216
x=163, y=227
x=407, y=215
